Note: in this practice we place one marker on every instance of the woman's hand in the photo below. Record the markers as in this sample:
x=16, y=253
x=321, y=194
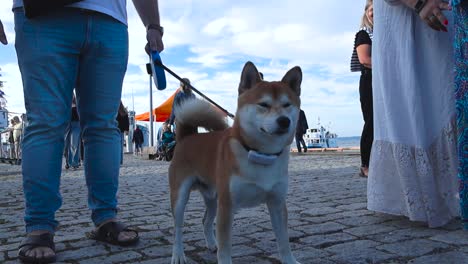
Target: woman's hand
x=433, y=16
x=431, y=13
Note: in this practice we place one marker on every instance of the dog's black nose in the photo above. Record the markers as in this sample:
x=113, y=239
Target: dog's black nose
x=283, y=122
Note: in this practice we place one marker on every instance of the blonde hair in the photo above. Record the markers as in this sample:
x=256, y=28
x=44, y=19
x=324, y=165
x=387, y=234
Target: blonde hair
x=365, y=22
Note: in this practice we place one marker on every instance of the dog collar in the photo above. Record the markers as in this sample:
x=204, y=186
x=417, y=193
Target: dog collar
x=260, y=158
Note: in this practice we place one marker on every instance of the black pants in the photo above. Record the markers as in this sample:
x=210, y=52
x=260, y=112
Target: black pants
x=299, y=141
x=367, y=136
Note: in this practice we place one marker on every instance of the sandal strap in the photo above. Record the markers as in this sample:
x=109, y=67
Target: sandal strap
x=112, y=230
x=42, y=240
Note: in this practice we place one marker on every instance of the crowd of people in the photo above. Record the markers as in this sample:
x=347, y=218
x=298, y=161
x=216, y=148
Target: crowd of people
x=413, y=104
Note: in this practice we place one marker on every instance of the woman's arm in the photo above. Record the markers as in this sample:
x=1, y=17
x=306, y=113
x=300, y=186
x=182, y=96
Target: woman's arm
x=364, y=55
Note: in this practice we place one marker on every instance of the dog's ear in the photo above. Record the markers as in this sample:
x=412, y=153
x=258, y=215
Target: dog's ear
x=294, y=79
x=249, y=77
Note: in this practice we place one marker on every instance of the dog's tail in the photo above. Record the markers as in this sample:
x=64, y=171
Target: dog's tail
x=194, y=113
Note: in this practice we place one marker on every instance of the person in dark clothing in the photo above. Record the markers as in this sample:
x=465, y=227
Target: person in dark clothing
x=363, y=44
x=124, y=125
x=301, y=129
x=184, y=93
x=138, y=139
x=73, y=139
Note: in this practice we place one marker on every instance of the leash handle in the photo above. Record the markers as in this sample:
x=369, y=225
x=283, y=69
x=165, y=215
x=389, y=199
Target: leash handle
x=160, y=64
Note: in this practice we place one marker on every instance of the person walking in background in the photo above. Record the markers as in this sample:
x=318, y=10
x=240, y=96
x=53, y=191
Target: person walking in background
x=18, y=136
x=183, y=94
x=138, y=139
x=73, y=139
x=124, y=126
x=362, y=46
x=460, y=10
x=82, y=46
x=413, y=164
x=11, y=139
x=301, y=129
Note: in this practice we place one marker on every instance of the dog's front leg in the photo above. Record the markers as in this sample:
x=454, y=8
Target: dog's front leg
x=279, y=222
x=224, y=228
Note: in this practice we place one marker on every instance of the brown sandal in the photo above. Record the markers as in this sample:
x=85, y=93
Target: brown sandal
x=109, y=233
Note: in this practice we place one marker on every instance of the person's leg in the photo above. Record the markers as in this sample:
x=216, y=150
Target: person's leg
x=66, y=148
x=99, y=86
x=367, y=136
x=121, y=147
x=304, y=146
x=74, y=153
x=47, y=50
x=461, y=80
x=298, y=142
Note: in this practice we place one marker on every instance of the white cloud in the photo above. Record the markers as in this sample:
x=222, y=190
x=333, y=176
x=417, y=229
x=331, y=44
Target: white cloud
x=218, y=36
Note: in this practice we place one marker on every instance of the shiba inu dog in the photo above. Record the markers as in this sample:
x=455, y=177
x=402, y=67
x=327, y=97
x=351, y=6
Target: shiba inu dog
x=239, y=166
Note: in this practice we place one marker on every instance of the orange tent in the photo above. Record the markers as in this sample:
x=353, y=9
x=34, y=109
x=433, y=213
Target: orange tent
x=162, y=112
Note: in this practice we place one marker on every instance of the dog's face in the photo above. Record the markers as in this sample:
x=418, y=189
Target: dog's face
x=268, y=111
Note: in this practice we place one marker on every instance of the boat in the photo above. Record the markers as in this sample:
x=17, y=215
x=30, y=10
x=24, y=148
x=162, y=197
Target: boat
x=320, y=137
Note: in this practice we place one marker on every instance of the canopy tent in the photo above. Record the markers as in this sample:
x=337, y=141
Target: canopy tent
x=162, y=112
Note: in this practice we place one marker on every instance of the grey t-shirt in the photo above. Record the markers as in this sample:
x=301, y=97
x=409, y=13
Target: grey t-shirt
x=114, y=8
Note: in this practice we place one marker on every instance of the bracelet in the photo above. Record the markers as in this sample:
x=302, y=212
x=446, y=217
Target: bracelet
x=156, y=27
x=419, y=6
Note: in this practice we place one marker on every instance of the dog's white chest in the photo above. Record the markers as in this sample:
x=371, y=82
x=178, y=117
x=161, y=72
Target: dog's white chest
x=255, y=185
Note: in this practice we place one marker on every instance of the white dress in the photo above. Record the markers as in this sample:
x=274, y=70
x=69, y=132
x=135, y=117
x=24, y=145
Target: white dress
x=413, y=165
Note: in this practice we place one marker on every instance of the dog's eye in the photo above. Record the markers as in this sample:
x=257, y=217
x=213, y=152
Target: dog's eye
x=265, y=105
x=285, y=105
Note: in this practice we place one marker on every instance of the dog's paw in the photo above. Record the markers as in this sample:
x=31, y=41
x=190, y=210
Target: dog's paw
x=178, y=258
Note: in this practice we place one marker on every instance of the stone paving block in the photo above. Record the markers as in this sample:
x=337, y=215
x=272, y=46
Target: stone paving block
x=121, y=257
x=244, y=250
x=360, y=251
x=319, y=211
x=250, y=259
x=158, y=251
x=369, y=230
x=448, y=257
x=405, y=234
x=454, y=237
x=86, y=252
x=325, y=240
x=360, y=220
x=323, y=228
x=413, y=248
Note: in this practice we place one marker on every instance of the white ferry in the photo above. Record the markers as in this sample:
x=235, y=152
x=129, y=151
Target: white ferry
x=320, y=138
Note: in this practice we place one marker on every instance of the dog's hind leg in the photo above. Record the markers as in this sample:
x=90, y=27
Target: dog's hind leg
x=224, y=227
x=208, y=219
x=178, y=202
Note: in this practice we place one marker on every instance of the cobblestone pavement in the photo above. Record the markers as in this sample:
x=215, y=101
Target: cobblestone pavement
x=328, y=220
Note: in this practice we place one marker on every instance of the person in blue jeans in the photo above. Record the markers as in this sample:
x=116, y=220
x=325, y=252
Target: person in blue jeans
x=82, y=46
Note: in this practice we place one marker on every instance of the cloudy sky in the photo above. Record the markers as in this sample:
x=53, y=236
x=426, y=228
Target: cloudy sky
x=209, y=41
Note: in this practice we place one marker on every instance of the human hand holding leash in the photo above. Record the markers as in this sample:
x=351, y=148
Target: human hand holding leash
x=154, y=37
x=3, y=38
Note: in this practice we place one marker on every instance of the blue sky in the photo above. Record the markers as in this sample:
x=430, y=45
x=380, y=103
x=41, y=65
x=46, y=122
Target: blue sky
x=209, y=41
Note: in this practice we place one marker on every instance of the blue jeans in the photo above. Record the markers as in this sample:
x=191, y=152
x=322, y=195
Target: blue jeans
x=88, y=51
